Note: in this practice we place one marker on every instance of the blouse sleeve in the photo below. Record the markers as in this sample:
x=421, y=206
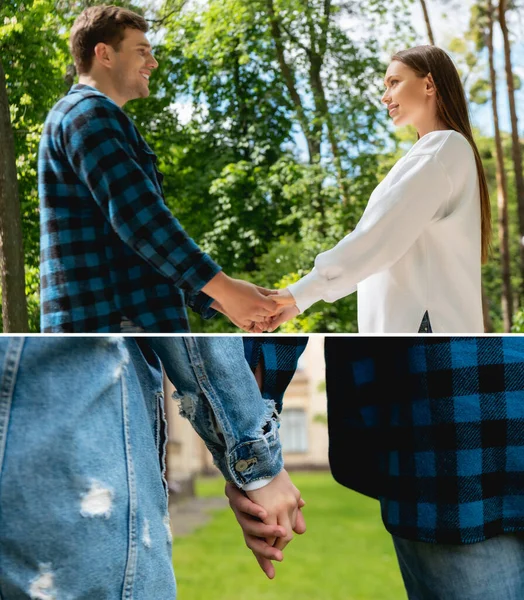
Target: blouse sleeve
x=383, y=235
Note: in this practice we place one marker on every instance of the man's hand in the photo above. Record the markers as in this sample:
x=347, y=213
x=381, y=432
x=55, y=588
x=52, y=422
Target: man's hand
x=252, y=518
x=242, y=302
x=249, y=326
x=263, y=536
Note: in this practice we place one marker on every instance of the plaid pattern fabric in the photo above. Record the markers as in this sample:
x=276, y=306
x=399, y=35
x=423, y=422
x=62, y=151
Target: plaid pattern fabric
x=109, y=245
x=433, y=427
x=280, y=357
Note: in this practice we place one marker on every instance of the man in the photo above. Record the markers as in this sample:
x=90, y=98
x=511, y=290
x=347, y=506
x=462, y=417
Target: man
x=434, y=429
x=83, y=498
x=113, y=257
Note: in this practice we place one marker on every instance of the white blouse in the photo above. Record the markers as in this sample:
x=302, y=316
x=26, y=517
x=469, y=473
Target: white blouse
x=417, y=247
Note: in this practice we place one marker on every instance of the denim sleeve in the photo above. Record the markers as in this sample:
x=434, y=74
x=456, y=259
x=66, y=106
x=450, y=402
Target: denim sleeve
x=279, y=357
x=100, y=154
x=218, y=393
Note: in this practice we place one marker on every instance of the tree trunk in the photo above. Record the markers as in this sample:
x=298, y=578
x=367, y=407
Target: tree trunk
x=323, y=116
x=14, y=307
x=316, y=54
x=69, y=77
x=289, y=79
x=240, y=96
x=488, y=323
x=516, y=152
x=428, y=24
x=502, y=193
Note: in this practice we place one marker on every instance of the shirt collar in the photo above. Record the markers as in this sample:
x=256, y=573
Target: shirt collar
x=82, y=88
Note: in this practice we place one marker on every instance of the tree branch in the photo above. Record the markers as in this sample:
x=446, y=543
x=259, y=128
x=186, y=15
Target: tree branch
x=294, y=39
x=165, y=18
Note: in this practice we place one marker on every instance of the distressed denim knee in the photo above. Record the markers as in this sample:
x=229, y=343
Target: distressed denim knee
x=83, y=507
x=83, y=496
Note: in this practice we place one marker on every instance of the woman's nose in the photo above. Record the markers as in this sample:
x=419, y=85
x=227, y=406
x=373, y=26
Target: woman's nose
x=385, y=98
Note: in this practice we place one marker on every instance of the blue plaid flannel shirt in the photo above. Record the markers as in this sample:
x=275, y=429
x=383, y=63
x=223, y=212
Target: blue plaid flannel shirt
x=432, y=427
x=110, y=247
x=279, y=356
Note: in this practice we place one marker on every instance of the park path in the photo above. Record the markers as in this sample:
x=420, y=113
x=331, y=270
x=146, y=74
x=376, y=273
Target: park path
x=191, y=513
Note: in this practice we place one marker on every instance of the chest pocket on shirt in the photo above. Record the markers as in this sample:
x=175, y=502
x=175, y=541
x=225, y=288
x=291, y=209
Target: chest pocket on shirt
x=148, y=160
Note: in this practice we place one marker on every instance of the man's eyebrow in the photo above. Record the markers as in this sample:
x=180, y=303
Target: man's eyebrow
x=144, y=44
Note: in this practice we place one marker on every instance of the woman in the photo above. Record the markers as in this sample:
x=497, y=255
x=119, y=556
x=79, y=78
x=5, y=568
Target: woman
x=415, y=255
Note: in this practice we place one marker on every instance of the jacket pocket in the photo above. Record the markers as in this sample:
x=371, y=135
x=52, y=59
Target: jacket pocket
x=150, y=159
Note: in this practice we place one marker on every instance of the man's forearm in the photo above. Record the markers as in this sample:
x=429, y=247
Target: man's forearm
x=217, y=287
x=219, y=395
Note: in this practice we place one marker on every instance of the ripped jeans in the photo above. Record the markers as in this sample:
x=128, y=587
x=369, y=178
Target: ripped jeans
x=83, y=497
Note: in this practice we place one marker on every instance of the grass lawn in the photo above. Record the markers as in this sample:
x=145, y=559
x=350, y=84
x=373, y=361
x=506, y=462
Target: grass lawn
x=346, y=554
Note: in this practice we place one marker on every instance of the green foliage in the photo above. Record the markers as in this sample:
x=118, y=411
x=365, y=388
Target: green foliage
x=34, y=55
x=32, y=50
x=229, y=137
x=518, y=322
x=235, y=176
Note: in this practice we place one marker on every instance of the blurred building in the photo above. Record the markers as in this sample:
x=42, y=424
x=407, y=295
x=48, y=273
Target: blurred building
x=303, y=429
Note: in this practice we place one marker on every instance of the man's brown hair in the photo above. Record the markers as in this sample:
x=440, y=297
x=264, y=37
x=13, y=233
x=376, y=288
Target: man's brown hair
x=106, y=24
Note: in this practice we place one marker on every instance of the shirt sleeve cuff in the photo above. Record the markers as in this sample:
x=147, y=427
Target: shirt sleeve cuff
x=256, y=485
x=199, y=274
x=308, y=290
x=201, y=303
x=255, y=460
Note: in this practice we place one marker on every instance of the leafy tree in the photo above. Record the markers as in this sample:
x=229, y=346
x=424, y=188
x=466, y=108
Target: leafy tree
x=33, y=50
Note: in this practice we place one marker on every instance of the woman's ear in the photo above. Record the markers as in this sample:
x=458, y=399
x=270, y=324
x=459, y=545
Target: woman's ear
x=430, y=85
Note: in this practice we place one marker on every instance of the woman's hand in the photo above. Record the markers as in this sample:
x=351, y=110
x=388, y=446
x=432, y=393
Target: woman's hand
x=285, y=314
x=259, y=532
x=283, y=297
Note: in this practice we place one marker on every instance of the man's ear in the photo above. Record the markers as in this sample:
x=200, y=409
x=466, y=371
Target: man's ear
x=103, y=54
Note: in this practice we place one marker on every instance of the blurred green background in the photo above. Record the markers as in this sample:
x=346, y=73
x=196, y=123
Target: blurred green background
x=346, y=553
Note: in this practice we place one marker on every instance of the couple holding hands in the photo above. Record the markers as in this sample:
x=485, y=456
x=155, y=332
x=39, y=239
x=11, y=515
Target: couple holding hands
x=430, y=427
x=114, y=258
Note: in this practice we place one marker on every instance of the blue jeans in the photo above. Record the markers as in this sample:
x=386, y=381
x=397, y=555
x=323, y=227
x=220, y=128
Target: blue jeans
x=489, y=570
x=83, y=497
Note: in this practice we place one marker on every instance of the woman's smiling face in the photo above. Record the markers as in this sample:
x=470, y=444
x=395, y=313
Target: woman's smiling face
x=407, y=96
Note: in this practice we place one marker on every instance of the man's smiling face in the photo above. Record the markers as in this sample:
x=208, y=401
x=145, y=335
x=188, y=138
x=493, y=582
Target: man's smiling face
x=133, y=64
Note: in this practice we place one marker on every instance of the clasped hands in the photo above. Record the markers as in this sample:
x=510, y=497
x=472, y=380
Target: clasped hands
x=268, y=517
x=252, y=308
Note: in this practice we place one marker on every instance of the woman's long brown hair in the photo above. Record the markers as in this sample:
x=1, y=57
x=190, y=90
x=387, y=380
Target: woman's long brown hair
x=452, y=109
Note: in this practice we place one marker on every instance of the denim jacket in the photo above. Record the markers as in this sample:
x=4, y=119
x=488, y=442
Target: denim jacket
x=82, y=456
x=219, y=395
x=214, y=385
